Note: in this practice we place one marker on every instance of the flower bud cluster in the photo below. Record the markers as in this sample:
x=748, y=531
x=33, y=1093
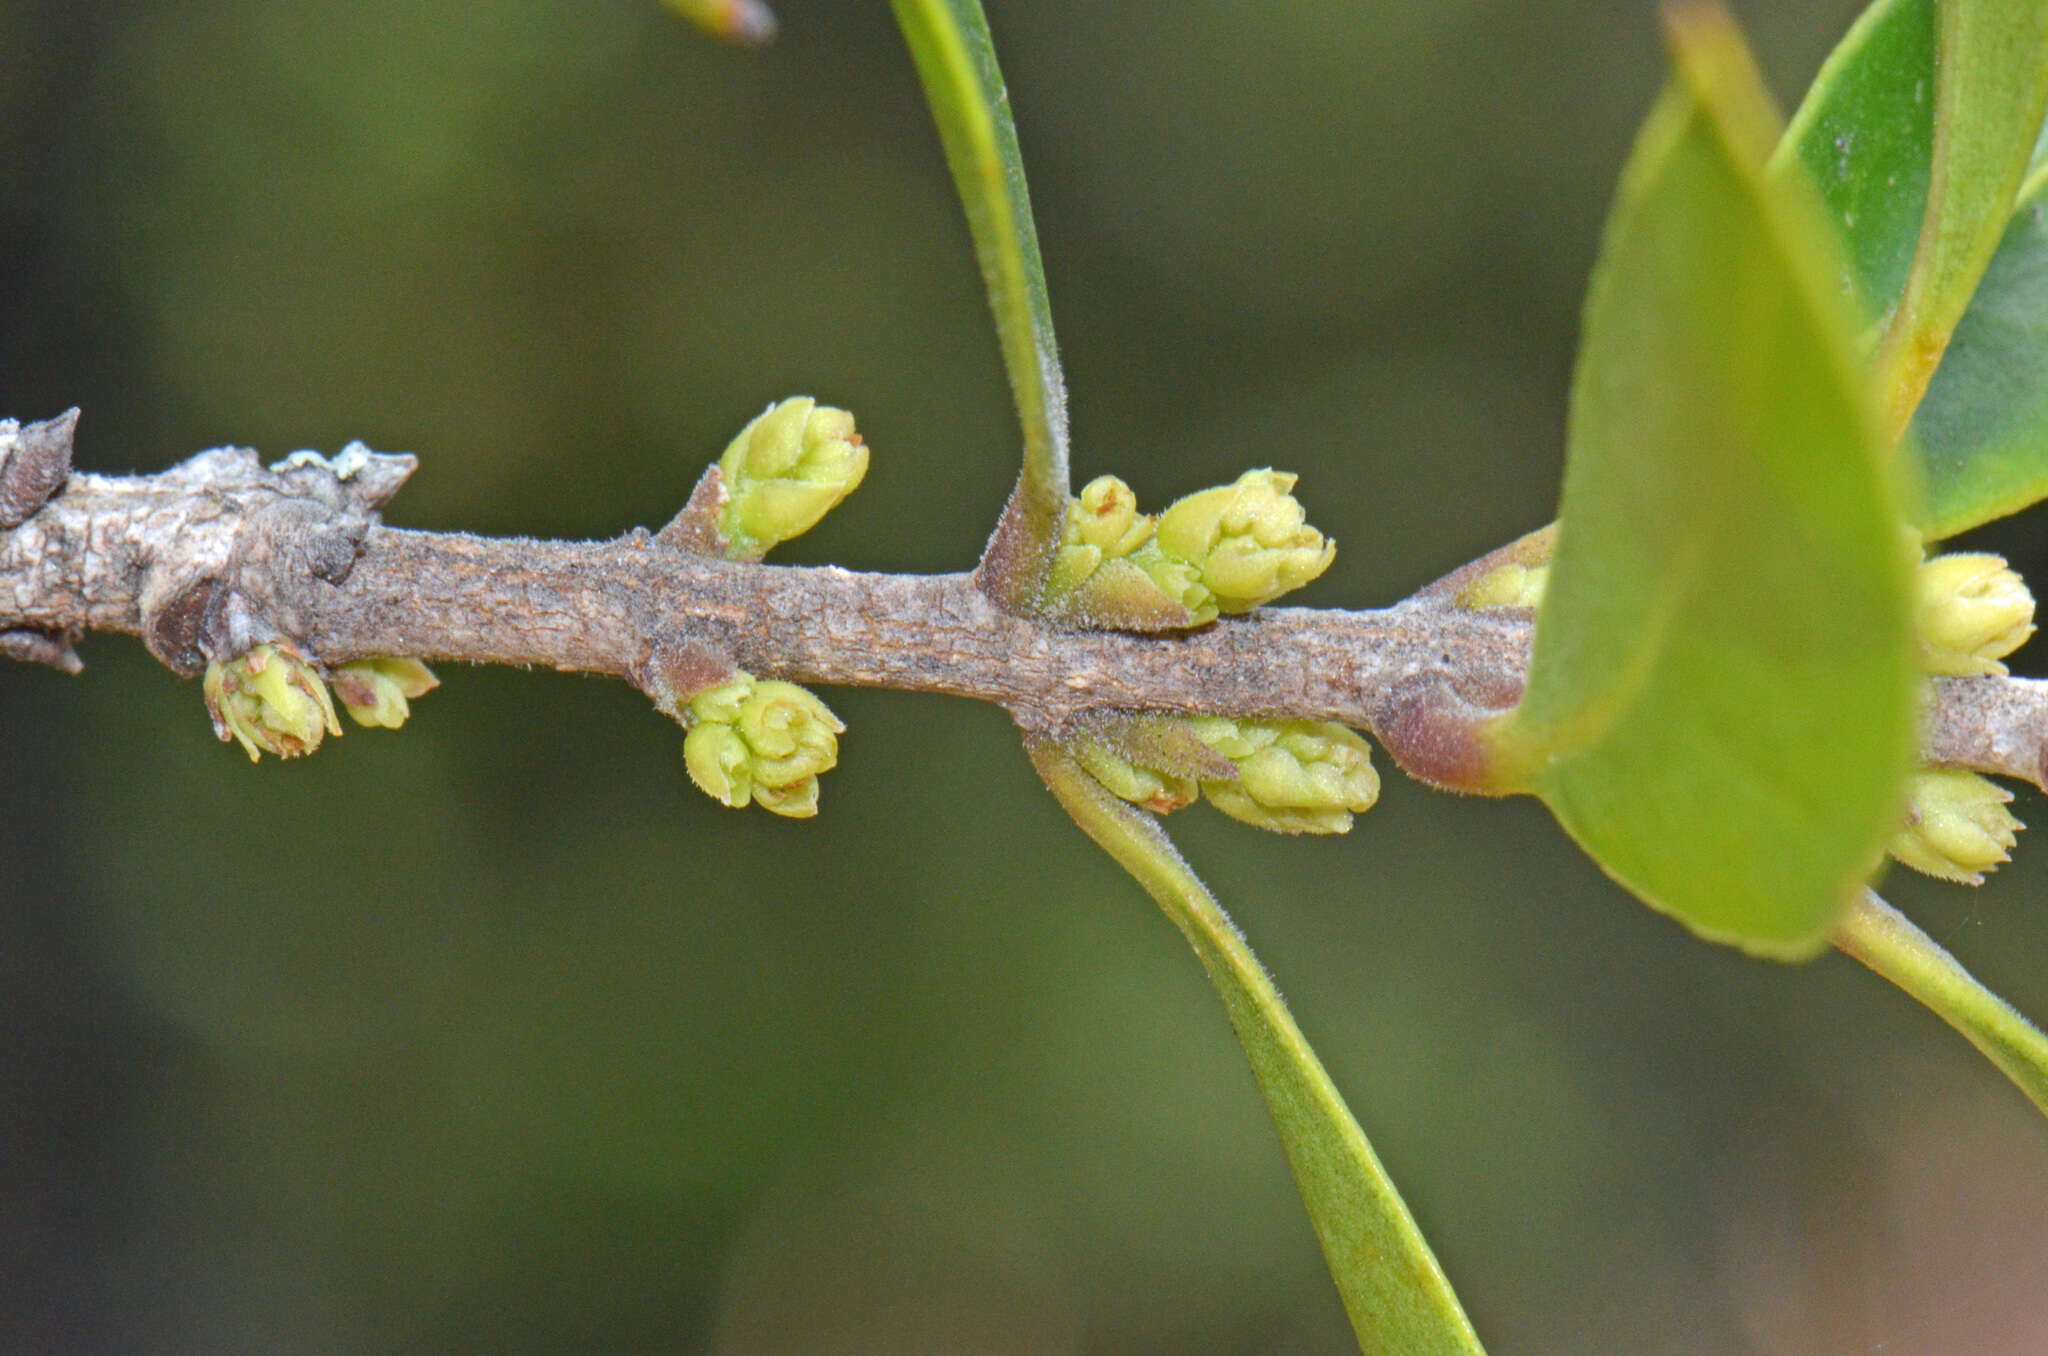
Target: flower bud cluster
x=1223, y=550
x=784, y=472
x=761, y=741
x=270, y=700
x=378, y=692
x=1102, y=524
x=1957, y=826
x=1973, y=612
x=1285, y=776
x=1293, y=776
x=1247, y=543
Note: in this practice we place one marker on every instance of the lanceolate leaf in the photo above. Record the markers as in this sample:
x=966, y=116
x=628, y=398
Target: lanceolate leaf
x=1395, y=1292
x=1982, y=430
x=1991, y=85
x=1865, y=134
x=1720, y=702
x=949, y=41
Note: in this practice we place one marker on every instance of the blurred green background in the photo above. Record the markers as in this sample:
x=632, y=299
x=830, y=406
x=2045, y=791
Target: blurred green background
x=497, y=1036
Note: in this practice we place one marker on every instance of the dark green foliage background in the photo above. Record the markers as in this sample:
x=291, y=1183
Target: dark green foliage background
x=497, y=1036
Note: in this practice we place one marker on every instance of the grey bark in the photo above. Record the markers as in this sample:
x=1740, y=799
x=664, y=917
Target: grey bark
x=219, y=553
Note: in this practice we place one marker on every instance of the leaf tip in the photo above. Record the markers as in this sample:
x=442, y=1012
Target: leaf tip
x=745, y=23
x=1709, y=55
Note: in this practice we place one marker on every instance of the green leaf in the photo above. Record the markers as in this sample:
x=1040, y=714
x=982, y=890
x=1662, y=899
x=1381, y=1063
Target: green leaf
x=1990, y=91
x=1982, y=430
x=1393, y=1288
x=1865, y=134
x=949, y=41
x=1886, y=940
x=1720, y=699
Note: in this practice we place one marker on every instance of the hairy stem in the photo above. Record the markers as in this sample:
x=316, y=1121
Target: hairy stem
x=1393, y=1288
x=956, y=61
x=1887, y=941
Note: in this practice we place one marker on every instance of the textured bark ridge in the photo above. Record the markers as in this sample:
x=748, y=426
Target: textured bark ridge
x=220, y=553
x=203, y=560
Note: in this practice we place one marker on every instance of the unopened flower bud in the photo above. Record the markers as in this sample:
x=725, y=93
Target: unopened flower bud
x=1294, y=776
x=1178, y=581
x=379, y=692
x=1153, y=788
x=1089, y=577
x=270, y=700
x=798, y=800
x=761, y=741
x=1973, y=612
x=1248, y=541
x=1508, y=586
x=1105, y=515
x=1072, y=566
x=720, y=763
x=793, y=735
x=784, y=472
x=1957, y=826
x=723, y=702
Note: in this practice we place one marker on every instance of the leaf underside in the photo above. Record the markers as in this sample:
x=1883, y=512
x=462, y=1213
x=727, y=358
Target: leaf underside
x=1982, y=429
x=1720, y=700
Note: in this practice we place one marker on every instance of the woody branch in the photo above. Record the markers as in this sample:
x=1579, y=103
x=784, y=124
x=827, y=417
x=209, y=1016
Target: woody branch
x=219, y=553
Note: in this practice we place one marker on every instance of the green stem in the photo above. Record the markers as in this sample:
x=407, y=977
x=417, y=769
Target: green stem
x=949, y=42
x=1887, y=941
x=1393, y=1288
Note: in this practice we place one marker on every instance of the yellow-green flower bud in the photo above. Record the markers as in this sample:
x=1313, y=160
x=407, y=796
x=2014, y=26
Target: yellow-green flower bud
x=270, y=700
x=1178, y=581
x=1508, y=586
x=1957, y=826
x=1072, y=566
x=798, y=800
x=1102, y=527
x=723, y=702
x=1105, y=516
x=720, y=763
x=1249, y=542
x=378, y=692
x=761, y=741
x=1153, y=788
x=793, y=735
x=1974, y=611
x=784, y=472
x=1294, y=776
